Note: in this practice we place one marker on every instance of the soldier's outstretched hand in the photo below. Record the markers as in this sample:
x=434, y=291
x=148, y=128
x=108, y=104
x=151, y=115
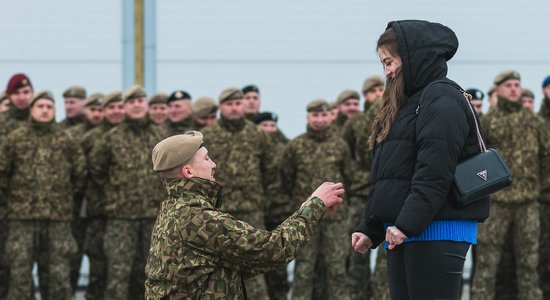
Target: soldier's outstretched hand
x=330, y=193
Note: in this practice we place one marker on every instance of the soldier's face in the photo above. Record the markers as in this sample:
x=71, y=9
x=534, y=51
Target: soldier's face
x=546, y=91
x=208, y=120
x=4, y=105
x=43, y=111
x=114, y=112
x=477, y=104
x=73, y=106
x=232, y=109
x=374, y=93
x=268, y=126
x=158, y=112
x=509, y=89
x=319, y=120
x=179, y=110
x=22, y=97
x=251, y=103
x=202, y=166
x=528, y=103
x=334, y=113
x=136, y=108
x=350, y=108
x=94, y=114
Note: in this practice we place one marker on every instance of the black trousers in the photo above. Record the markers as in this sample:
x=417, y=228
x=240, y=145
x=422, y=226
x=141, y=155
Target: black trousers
x=426, y=270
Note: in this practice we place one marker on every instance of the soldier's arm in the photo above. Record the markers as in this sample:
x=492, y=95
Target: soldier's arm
x=287, y=170
x=544, y=156
x=6, y=159
x=268, y=162
x=240, y=245
x=79, y=174
x=99, y=160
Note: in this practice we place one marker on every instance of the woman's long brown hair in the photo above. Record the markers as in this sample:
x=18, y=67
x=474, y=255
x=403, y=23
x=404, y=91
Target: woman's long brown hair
x=393, y=98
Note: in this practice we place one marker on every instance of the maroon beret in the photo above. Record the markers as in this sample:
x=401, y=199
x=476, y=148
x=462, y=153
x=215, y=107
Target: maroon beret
x=16, y=82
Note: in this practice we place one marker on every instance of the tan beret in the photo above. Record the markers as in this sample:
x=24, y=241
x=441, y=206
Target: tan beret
x=112, y=97
x=506, y=75
x=136, y=91
x=176, y=150
x=204, y=106
x=372, y=82
x=158, y=98
x=3, y=96
x=42, y=95
x=230, y=94
x=75, y=92
x=318, y=105
x=95, y=99
x=346, y=95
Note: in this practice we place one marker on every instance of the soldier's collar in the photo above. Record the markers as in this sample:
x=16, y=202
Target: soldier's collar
x=211, y=190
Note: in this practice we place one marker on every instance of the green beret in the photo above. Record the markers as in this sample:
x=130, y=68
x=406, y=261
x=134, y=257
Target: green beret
x=176, y=150
x=318, y=105
x=204, y=106
x=346, y=95
x=112, y=97
x=42, y=95
x=158, y=98
x=95, y=99
x=230, y=94
x=372, y=82
x=75, y=92
x=506, y=75
x=136, y=91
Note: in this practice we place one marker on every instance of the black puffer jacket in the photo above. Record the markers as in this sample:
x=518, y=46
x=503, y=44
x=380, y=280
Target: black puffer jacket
x=413, y=167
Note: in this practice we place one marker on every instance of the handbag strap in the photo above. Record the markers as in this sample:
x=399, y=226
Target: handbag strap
x=467, y=97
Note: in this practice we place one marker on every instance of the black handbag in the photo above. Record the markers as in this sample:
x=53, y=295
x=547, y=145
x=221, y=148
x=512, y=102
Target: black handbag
x=480, y=175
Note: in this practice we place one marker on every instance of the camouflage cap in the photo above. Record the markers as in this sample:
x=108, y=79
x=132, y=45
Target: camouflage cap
x=75, y=92
x=159, y=98
x=95, y=99
x=318, y=105
x=372, y=82
x=229, y=94
x=179, y=95
x=176, y=150
x=527, y=93
x=204, y=106
x=136, y=91
x=506, y=75
x=42, y=95
x=346, y=95
x=112, y=97
x=16, y=82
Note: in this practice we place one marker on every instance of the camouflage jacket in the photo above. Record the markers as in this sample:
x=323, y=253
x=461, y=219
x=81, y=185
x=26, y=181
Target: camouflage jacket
x=246, y=163
x=174, y=128
x=41, y=170
x=524, y=143
x=311, y=159
x=94, y=194
x=199, y=252
x=71, y=122
x=121, y=162
x=278, y=205
x=544, y=113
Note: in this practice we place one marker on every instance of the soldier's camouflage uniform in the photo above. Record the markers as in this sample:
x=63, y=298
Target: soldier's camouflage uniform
x=278, y=208
x=78, y=223
x=174, y=128
x=245, y=167
x=9, y=121
x=199, y=252
x=120, y=162
x=41, y=171
x=73, y=121
x=95, y=220
x=356, y=133
x=521, y=139
x=544, y=250
x=309, y=160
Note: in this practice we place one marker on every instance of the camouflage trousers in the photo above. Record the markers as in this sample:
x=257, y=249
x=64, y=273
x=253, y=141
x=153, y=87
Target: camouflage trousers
x=544, y=250
x=93, y=247
x=358, y=264
x=379, y=280
x=126, y=244
x=276, y=280
x=331, y=240
x=26, y=240
x=78, y=226
x=256, y=287
x=4, y=263
x=525, y=240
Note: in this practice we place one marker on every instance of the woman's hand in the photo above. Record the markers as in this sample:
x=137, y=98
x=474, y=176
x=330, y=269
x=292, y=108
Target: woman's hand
x=361, y=242
x=394, y=236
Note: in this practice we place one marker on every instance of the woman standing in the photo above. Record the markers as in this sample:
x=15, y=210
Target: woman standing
x=416, y=149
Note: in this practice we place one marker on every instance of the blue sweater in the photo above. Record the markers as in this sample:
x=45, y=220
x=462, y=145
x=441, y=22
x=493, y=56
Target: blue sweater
x=445, y=230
